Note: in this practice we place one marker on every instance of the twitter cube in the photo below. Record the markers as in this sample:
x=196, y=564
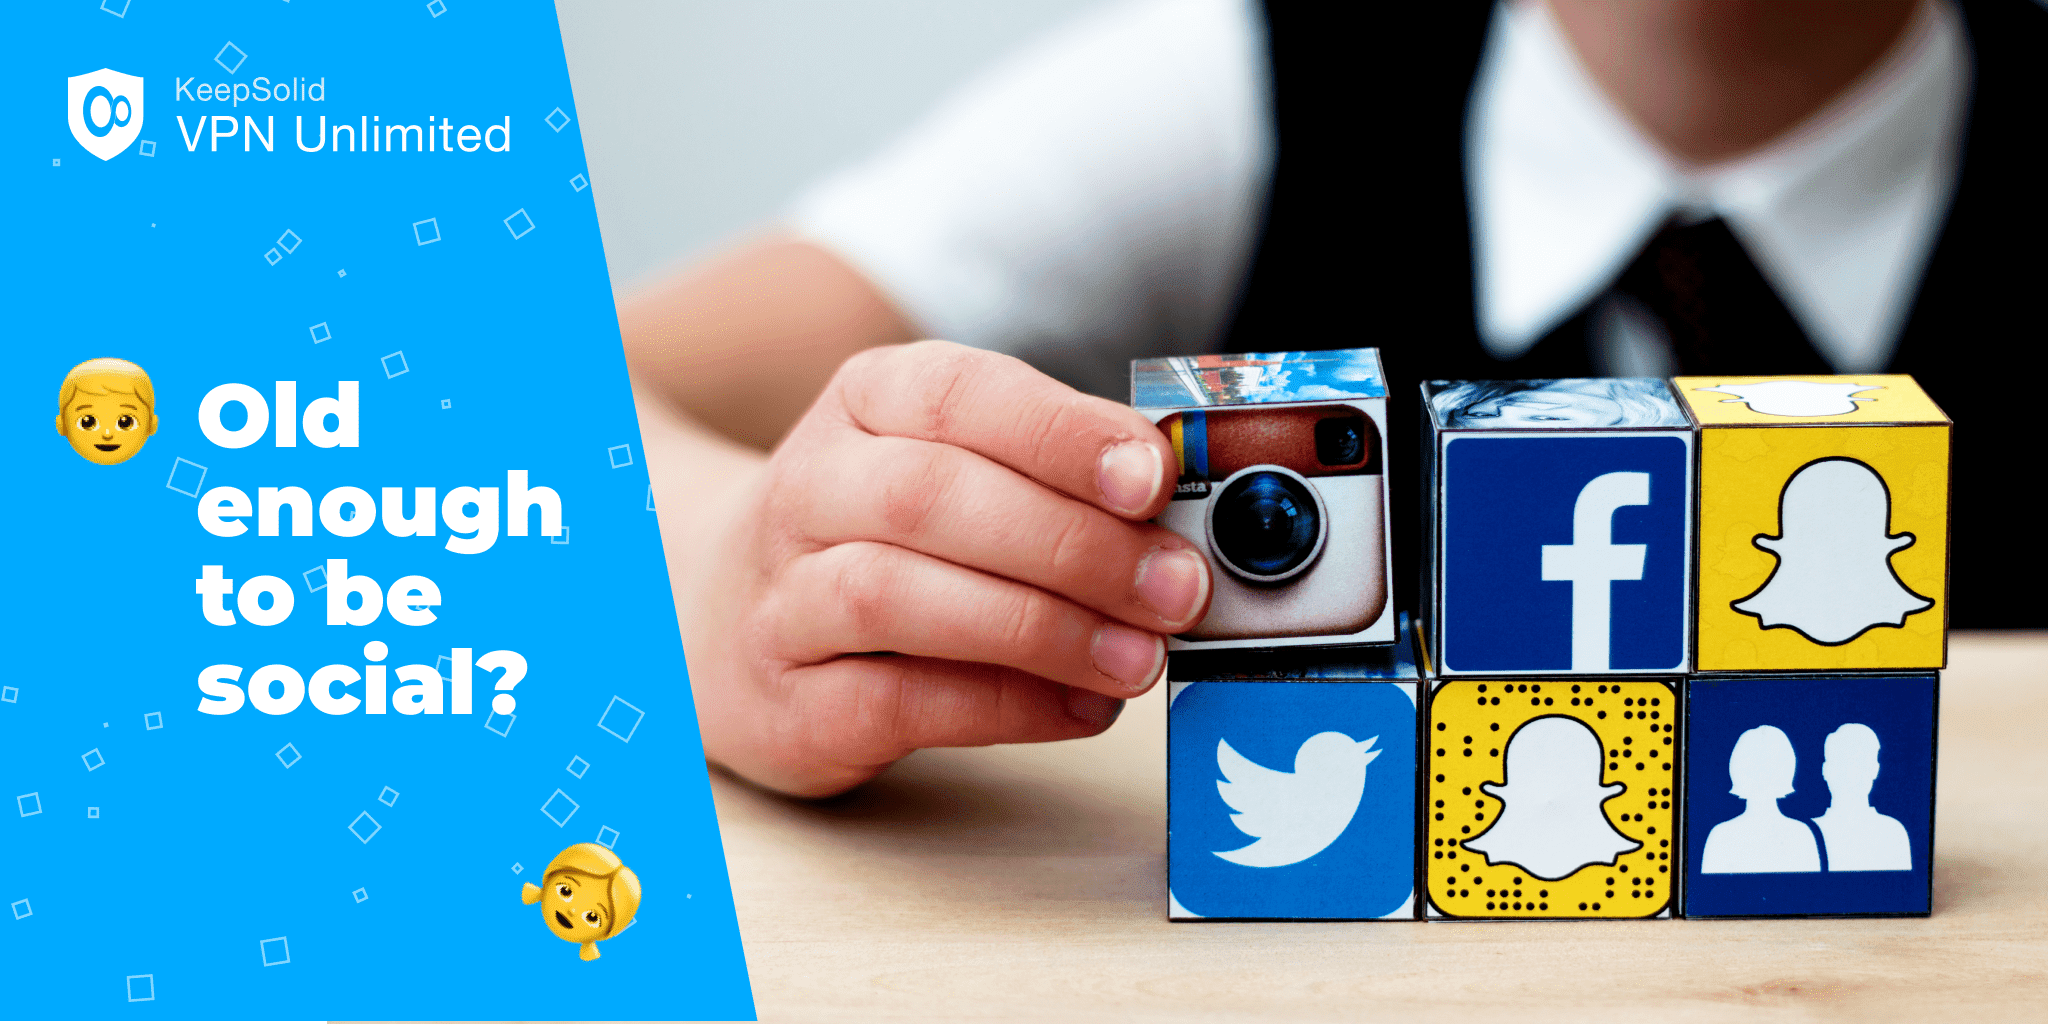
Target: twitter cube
x=1823, y=547
x=1549, y=798
x=1809, y=796
x=1283, y=485
x=1291, y=800
x=1561, y=533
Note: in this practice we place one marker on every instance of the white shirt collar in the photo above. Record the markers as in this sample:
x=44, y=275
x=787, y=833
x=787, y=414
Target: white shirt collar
x=1840, y=214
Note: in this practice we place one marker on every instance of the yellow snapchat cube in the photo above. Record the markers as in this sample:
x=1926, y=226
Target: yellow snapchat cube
x=1823, y=523
x=1551, y=799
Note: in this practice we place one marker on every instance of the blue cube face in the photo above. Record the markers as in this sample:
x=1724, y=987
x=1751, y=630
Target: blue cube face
x=1809, y=796
x=1291, y=800
x=1563, y=552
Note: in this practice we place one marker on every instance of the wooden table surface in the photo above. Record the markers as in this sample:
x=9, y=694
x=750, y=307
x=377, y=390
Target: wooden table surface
x=1029, y=882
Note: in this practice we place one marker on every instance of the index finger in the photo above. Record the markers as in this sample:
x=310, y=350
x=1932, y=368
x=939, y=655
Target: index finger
x=995, y=405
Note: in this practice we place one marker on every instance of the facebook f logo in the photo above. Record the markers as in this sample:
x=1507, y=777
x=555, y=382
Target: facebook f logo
x=1564, y=553
x=1592, y=560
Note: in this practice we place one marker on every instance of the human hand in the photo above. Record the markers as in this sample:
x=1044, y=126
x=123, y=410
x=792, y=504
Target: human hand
x=977, y=520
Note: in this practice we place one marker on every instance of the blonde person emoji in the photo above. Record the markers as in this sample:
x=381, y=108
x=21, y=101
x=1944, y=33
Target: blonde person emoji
x=586, y=895
x=106, y=408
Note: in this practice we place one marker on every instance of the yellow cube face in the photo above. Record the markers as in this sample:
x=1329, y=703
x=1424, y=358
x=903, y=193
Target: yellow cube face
x=1823, y=548
x=1551, y=799
x=1790, y=401
x=1823, y=523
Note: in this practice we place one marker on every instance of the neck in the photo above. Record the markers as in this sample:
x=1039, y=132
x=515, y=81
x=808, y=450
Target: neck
x=1713, y=80
x=1848, y=803
x=1766, y=808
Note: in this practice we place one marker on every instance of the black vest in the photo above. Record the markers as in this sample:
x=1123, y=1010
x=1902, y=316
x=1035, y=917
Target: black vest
x=1367, y=242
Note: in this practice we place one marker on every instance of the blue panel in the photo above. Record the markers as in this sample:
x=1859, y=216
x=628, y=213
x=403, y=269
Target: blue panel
x=1508, y=498
x=1366, y=870
x=262, y=864
x=1785, y=855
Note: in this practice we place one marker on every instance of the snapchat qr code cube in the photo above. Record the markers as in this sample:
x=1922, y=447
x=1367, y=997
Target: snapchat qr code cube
x=1809, y=796
x=1823, y=523
x=1291, y=786
x=1282, y=484
x=1550, y=799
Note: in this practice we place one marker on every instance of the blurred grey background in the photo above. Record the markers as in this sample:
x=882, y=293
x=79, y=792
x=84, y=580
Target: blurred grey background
x=702, y=118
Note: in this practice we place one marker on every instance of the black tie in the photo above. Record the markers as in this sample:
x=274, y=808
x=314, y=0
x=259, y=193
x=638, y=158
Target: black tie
x=1720, y=313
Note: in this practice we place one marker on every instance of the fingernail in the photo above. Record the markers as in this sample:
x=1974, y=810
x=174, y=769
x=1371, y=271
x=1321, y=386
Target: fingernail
x=1171, y=582
x=1129, y=476
x=1093, y=708
x=1129, y=656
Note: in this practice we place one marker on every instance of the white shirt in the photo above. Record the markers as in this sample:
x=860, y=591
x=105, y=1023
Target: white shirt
x=1097, y=196
x=1093, y=198
x=1840, y=214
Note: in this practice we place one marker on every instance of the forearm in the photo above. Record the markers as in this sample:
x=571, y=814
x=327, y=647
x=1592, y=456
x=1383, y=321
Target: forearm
x=725, y=357
x=701, y=483
x=699, y=479
x=743, y=343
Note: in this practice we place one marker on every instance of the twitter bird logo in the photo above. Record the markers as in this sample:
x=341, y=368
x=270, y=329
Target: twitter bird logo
x=1293, y=815
x=1329, y=847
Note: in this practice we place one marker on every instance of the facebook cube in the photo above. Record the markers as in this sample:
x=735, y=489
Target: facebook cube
x=1282, y=484
x=1550, y=798
x=1809, y=796
x=1560, y=537
x=1291, y=788
x=1823, y=547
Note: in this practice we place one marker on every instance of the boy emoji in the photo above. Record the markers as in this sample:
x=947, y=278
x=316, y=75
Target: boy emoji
x=106, y=409
x=586, y=895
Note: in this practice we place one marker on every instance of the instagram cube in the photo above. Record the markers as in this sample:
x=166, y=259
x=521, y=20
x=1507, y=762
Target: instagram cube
x=1560, y=534
x=1823, y=523
x=1550, y=798
x=1809, y=796
x=1283, y=485
x=1291, y=788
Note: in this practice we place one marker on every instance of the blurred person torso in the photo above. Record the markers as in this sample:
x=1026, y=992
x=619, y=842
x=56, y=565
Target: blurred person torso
x=1447, y=183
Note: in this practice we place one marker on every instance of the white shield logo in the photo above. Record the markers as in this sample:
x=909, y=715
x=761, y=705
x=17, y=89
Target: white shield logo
x=105, y=111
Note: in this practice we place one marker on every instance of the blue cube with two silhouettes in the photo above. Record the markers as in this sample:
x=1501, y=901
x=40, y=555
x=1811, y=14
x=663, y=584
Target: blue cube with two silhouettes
x=1809, y=796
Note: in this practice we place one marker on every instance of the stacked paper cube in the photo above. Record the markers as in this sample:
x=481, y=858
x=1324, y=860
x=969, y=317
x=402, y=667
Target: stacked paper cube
x=1676, y=654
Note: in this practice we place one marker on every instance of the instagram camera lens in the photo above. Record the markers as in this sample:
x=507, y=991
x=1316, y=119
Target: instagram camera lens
x=1266, y=524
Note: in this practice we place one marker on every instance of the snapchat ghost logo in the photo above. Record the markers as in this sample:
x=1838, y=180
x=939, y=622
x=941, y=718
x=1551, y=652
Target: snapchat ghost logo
x=586, y=895
x=1798, y=397
x=1551, y=822
x=106, y=408
x=1834, y=580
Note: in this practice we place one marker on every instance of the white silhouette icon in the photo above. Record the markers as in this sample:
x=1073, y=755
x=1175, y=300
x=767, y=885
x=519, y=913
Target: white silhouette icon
x=1858, y=837
x=1797, y=397
x=1761, y=838
x=1294, y=815
x=1834, y=579
x=104, y=110
x=1592, y=561
x=1552, y=823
